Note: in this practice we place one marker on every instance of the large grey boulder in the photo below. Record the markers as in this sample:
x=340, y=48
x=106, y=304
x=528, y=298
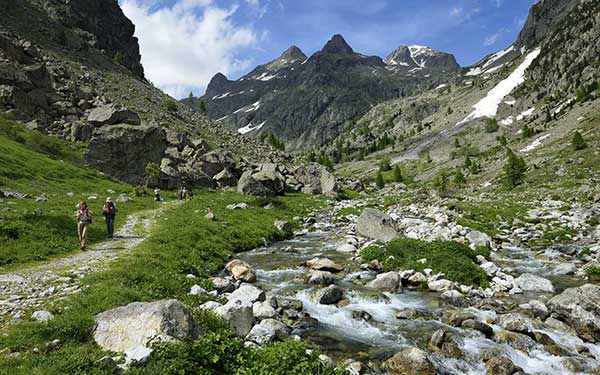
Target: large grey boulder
x=375, y=224
x=316, y=179
x=579, y=308
x=137, y=324
x=248, y=185
x=214, y=162
x=323, y=264
x=112, y=114
x=477, y=238
x=238, y=315
x=247, y=294
x=241, y=270
x=329, y=295
x=123, y=151
x=389, y=281
x=533, y=283
x=515, y=322
x=225, y=178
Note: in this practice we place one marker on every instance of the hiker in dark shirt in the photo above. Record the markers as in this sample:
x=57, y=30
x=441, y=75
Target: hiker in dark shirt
x=109, y=210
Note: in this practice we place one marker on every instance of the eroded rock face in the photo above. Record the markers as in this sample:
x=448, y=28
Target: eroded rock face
x=123, y=151
x=112, y=114
x=139, y=323
x=316, y=179
x=375, y=224
x=579, y=308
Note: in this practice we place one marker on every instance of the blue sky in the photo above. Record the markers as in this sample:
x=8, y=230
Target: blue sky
x=185, y=42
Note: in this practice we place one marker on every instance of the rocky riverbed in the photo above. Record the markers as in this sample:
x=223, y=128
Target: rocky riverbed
x=538, y=316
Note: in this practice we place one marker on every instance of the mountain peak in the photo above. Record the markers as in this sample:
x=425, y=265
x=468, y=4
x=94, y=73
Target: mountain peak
x=337, y=44
x=293, y=53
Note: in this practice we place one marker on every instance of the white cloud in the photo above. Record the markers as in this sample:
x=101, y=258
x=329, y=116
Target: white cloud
x=492, y=39
x=455, y=12
x=184, y=45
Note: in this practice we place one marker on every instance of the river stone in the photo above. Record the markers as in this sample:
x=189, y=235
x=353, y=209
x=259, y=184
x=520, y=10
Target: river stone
x=410, y=361
x=346, y=248
x=136, y=324
x=289, y=303
x=456, y=317
x=490, y=268
x=454, y=297
x=515, y=322
x=223, y=285
x=323, y=264
x=320, y=277
x=518, y=341
x=486, y=329
x=501, y=366
x=197, y=290
x=42, y=316
x=241, y=271
x=247, y=294
x=263, y=310
x=375, y=224
x=238, y=315
x=210, y=305
x=329, y=295
x=282, y=332
x=579, y=308
x=533, y=283
x=477, y=238
x=389, y=281
x=417, y=278
x=440, y=285
x=261, y=334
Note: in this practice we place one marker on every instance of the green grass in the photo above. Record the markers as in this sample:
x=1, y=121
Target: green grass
x=36, y=164
x=183, y=242
x=456, y=260
x=487, y=216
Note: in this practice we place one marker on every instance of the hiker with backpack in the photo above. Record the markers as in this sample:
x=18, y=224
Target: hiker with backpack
x=157, y=194
x=109, y=210
x=84, y=219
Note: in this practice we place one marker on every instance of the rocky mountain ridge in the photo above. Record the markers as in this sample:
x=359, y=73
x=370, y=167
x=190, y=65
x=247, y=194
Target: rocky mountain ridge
x=306, y=100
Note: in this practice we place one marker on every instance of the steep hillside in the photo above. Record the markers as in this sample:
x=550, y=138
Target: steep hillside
x=72, y=69
x=306, y=101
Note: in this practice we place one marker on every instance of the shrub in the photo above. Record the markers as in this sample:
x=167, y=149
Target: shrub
x=398, y=174
x=513, y=170
x=384, y=165
x=456, y=260
x=117, y=57
x=170, y=105
x=491, y=125
x=578, y=142
x=526, y=131
x=275, y=142
x=459, y=178
x=593, y=272
x=440, y=181
x=379, y=180
x=152, y=173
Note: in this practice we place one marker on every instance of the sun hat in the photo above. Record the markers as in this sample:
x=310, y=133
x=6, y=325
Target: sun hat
x=108, y=200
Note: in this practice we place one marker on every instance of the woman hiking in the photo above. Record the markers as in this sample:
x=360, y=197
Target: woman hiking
x=109, y=210
x=84, y=219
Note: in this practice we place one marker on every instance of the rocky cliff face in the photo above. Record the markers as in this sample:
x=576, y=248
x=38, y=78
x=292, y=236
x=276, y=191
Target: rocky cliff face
x=307, y=100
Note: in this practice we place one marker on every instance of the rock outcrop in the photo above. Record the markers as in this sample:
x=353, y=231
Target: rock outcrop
x=376, y=225
x=579, y=308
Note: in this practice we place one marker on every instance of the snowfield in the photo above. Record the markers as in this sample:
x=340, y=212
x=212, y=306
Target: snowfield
x=495, y=57
x=250, y=128
x=535, y=144
x=488, y=106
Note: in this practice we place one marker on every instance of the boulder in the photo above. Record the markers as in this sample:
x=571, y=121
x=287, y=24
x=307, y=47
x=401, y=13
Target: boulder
x=329, y=295
x=225, y=178
x=283, y=226
x=81, y=132
x=454, y=298
x=263, y=310
x=248, y=185
x=320, y=277
x=389, y=281
x=346, y=248
x=579, y=308
x=138, y=323
x=417, y=278
x=123, y=198
x=410, y=361
x=316, y=179
x=42, y=316
x=247, y=294
x=477, y=238
x=112, y=114
x=223, y=285
x=123, y=151
x=515, y=322
x=239, y=316
x=197, y=290
x=501, y=366
x=487, y=330
x=214, y=162
x=323, y=264
x=241, y=271
x=375, y=224
x=176, y=139
x=267, y=331
x=533, y=283
x=440, y=285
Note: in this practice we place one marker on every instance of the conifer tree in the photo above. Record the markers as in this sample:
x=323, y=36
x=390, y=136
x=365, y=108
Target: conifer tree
x=379, y=180
x=578, y=141
x=514, y=169
x=398, y=174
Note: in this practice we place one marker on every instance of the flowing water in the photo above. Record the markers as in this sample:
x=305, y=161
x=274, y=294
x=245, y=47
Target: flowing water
x=279, y=270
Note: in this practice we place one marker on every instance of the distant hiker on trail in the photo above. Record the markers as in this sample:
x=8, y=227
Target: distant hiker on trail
x=180, y=193
x=183, y=192
x=109, y=210
x=84, y=219
x=157, y=194
x=190, y=194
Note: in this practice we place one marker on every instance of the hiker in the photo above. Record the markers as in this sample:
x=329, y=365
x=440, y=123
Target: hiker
x=183, y=193
x=190, y=194
x=180, y=193
x=109, y=210
x=84, y=219
x=157, y=194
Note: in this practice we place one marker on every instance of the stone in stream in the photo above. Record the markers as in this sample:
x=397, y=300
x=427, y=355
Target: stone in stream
x=500, y=365
x=238, y=315
x=267, y=331
x=417, y=279
x=329, y=295
x=516, y=340
x=346, y=248
x=289, y=303
x=134, y=325
x=320, y=278
x=456, y=317
x=579, y=308
x=410, y=361
x=533, y=283
x=477, y=238
x=247, y=294
x=361, y=315
x=487, y=330
x=389, y=281
x=515, y=322
x=440, y=285
x=376, y=225
x=490, y=268
x=263, y=310
x=241, y=271
x=454, y=297
x=323, y=264
x=223, y=285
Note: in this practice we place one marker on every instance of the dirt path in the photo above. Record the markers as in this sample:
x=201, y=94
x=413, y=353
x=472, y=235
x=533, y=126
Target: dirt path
x=33, y=287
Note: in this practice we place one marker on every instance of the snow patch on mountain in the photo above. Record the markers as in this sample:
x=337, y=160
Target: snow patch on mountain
x=495, y=57
x=488, y=106
x=535, y=144
x=525, y=113
x=250, y=128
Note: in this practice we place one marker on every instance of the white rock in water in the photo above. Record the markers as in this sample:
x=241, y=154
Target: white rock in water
x=533, y=283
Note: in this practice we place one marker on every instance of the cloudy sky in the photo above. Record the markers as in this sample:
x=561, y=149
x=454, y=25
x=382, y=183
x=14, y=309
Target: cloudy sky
x=185, y=42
